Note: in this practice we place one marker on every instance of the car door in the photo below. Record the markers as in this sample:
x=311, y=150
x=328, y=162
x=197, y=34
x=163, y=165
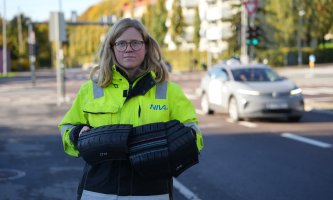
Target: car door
x=216, y=87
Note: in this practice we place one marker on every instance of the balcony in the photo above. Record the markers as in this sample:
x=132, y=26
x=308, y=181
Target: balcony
x=188, y=3
x=218, y=32
x=219, y=11
x=214, y=13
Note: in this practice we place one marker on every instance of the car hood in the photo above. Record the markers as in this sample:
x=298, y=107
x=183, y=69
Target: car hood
x=267, y=87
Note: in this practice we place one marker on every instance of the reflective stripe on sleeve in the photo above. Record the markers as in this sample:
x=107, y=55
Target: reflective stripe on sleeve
x=98, y=91
x=193, y=126
x=90, y=195
x=66, y=127
x=199, y=139
x=161, y=90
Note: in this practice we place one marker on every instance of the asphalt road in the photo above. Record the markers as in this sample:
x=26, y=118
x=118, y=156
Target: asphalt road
x=255, y=160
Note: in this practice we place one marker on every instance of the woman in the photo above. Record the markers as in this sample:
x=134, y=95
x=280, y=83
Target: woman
x=129, y=86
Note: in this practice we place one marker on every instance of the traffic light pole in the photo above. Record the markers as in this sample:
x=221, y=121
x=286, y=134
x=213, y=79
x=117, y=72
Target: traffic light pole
x=32, y=52
x=60, y=68
x=250, y=39
x=251, y=49
x=244, y=21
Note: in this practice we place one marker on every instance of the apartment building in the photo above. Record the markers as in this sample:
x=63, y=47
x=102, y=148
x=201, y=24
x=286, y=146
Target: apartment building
x=213, y=14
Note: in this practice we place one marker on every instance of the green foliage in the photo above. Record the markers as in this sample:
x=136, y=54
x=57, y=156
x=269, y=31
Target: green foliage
x=282, y=25
x=177, y=23
x=148, y=17
x=43, y=56
x=84, y=40
x=318, y=19
x=154, y=19
x=103, y=8
x=183, y=60
x=160, y=16
x=234, y=43
x=196, y=24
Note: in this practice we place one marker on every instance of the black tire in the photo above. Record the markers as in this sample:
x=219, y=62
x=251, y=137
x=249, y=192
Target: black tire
x=205, y=105
x=294, y=118
x=233, y=110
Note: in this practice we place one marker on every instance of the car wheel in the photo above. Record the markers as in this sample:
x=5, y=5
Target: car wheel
x=205, y=105
x=233, y=110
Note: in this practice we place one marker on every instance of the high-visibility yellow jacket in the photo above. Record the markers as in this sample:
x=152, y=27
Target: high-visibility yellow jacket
x=122, y=102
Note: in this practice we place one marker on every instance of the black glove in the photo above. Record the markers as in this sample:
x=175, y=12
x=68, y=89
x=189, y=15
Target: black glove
x=104, y=143
x=74, y=135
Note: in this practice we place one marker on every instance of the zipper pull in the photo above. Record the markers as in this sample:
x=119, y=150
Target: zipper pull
x=139, y=111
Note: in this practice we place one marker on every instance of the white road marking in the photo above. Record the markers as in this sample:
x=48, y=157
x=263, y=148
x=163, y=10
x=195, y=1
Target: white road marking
x=14, y=174
x=199, y=112
x=306, y=140
x=243, y=123
x=184, y=190
x=248, y=124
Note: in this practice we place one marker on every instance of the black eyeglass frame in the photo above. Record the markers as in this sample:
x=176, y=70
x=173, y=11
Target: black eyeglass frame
x=131, y=43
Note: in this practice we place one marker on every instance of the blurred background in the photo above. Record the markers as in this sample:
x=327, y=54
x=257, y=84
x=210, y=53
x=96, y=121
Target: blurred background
x=47, y=48
x=202, y=32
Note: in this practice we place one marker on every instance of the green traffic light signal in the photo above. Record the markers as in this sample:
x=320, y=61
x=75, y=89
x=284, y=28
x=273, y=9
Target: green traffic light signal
x=252, y=35
x=255, y=41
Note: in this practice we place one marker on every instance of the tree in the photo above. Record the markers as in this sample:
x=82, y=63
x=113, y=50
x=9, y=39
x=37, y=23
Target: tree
x=154, y=19
x=234, y=42
x=318, y=17
x=148, y=17
x=159, y=26
x=177, y=23
x=196, y=24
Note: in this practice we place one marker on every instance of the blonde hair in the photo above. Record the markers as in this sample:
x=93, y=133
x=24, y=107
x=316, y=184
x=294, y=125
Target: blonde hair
x=106, y=57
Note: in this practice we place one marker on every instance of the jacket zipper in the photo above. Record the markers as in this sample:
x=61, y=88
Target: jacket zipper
x=129, y=89
x=139, y=111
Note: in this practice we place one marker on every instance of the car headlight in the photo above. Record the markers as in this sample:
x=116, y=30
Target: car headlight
x=248, y=92
x=296, y=91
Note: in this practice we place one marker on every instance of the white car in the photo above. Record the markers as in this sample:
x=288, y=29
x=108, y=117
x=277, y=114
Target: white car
x=250, y=91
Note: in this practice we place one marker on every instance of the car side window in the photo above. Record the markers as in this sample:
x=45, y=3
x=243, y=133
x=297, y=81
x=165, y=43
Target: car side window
x=219, y=73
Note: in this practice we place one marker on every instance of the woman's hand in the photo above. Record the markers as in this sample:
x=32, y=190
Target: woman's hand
x=83, y=130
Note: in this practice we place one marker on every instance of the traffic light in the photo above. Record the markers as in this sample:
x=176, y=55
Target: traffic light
x=252, y=35
x=249, y=35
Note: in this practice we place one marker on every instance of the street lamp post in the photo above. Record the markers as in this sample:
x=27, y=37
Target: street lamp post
x=4, y=40
x=301, y=13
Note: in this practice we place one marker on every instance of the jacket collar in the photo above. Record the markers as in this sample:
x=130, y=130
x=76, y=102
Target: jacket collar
x=140, y=86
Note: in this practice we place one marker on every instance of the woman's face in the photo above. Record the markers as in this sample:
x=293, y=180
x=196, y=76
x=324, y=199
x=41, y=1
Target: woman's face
x=130, y=50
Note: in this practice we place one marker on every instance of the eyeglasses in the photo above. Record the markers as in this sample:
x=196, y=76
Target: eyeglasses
x=122, y=45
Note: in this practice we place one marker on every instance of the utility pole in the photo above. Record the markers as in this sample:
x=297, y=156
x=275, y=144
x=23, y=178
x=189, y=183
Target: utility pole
x=4, y=41
x=60, y=6
x=32, y=52
x=301, y=13
x=244, y=24
x=57, y=34
x=248, y=13
x=19, y=36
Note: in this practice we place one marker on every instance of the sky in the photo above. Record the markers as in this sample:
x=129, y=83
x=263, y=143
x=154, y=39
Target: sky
x=39, y=10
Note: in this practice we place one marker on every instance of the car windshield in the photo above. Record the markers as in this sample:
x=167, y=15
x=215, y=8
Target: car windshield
x=255, y=75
